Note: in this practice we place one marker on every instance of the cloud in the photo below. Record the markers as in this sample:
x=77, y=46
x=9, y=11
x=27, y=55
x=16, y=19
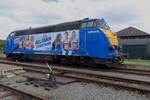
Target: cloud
x=50, y=1
x=21, y=14
x=124, y=15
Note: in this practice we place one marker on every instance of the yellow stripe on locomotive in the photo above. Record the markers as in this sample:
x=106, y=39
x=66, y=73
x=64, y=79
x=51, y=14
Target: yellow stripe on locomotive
x=112, y=37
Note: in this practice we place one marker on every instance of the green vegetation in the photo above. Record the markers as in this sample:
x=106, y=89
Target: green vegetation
x=2, y=55
x=138, y=62
x=2, y=44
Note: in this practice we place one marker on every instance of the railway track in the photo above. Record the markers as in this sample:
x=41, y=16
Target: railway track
x=114, y=77
x=10, y=93
x=113, y=69
x=132, y=71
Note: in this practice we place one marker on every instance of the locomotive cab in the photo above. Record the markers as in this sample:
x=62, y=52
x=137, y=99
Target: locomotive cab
x=101, y=43
x=9, y=44
x=114, y=44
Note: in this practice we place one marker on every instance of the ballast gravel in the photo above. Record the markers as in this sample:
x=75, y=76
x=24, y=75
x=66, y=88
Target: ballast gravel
x=82, y=91
x=79, y=91
x=89, y=91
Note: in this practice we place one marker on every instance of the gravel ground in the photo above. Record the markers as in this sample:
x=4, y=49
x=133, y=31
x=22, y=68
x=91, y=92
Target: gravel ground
x=89, y=91
x=81, y=91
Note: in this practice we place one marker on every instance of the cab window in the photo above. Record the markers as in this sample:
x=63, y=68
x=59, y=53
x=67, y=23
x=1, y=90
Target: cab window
x=103, y=24
x=84, y=25
x=12, y=34
x=90, y=24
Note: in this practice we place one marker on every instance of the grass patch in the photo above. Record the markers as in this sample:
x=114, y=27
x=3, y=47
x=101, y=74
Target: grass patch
x=2, y=55
x=138, y=62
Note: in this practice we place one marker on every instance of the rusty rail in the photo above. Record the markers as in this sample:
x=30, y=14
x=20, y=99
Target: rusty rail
x=18, y=93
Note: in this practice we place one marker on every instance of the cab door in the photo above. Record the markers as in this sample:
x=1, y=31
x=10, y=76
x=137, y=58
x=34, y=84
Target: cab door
x=9, y=44
x=92, y=41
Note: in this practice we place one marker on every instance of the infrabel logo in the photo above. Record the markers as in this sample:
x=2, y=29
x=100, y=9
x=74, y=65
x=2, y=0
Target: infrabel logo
x=96, y=31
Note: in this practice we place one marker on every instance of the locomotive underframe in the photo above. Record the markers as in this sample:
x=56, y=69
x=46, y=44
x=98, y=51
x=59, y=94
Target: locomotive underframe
x=64, y=59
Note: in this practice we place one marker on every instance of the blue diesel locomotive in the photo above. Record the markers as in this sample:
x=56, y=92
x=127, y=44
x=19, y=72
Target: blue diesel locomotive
x=82, y=41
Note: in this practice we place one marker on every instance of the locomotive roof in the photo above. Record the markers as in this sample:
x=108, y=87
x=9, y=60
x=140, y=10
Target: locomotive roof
x=52, y=28
x=46, y=28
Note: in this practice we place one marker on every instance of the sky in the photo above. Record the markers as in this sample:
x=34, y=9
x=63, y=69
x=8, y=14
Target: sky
x=119, y=14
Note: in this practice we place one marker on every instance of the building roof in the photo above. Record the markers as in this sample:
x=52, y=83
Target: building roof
x=131, y=31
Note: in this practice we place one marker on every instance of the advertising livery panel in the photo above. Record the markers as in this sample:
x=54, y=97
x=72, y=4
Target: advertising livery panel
x=60, y=43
